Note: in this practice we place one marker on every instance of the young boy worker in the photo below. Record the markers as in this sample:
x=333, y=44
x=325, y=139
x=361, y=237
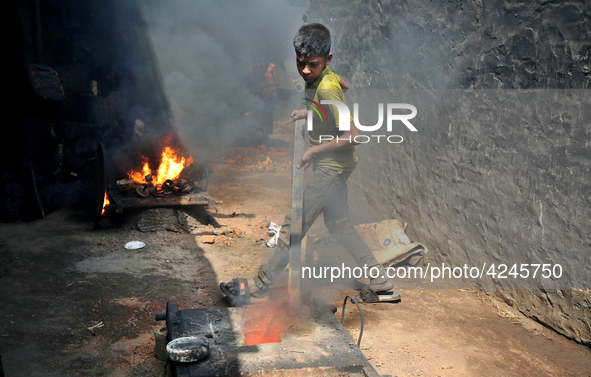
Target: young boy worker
x=326, y=192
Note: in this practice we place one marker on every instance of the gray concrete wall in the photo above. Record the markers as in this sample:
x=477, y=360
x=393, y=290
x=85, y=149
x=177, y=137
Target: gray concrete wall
x=500, y=175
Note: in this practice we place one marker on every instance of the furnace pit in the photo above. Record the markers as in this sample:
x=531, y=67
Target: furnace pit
x=317, y=346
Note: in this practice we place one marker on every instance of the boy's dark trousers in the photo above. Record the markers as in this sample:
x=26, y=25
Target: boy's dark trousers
x=325, y=192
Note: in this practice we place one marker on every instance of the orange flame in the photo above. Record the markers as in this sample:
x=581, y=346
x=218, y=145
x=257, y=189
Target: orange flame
x=171, y=166
x=137, y=176
x=269, y=321
x=106, y=202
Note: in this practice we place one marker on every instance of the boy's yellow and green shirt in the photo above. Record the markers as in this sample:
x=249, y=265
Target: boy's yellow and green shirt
x=327, y=87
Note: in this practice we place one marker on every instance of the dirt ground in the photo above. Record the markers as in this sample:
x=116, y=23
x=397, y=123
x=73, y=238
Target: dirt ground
x=74, y=302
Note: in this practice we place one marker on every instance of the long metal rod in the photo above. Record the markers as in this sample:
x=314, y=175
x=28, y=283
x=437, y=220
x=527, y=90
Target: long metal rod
x=297, y=204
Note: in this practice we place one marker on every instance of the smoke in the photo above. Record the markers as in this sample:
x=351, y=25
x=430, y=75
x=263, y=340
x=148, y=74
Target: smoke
x=206, y=52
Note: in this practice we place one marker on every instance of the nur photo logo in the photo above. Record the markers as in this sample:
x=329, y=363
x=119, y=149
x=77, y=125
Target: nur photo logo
x=344, y=115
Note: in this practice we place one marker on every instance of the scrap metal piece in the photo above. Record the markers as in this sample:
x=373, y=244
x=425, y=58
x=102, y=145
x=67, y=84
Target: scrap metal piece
x=169, y=184
x=125, y=182
x=187, y=187
x=188, y=349
x=142, y=191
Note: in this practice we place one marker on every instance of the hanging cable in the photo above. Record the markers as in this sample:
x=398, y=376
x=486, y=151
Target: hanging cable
x=360, y=314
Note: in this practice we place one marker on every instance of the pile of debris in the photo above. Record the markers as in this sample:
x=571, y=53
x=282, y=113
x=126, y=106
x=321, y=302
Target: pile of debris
x=179, y=186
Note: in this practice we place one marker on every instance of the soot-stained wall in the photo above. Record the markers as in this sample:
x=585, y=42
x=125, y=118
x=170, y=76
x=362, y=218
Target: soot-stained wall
x=499, y=170
x=97, y=54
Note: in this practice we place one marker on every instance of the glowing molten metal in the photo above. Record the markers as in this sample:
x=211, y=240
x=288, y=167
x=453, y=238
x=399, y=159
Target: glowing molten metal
x=267, y=322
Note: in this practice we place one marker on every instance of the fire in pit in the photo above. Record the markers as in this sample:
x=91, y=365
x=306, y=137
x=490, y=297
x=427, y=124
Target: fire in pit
x=267, y=322
x=166, y=187
x=316, y=346
x=166, y=181
x=171, y=166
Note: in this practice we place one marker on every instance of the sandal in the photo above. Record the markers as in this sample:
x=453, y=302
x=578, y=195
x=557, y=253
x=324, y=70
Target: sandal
x=369, y=296
x=237, y=297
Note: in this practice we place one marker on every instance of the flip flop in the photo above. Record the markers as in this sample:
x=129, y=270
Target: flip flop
x=238, y=297
x=369, y=296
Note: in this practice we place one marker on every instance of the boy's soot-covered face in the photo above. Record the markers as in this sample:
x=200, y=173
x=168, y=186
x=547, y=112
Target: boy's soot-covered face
x=310, y=67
